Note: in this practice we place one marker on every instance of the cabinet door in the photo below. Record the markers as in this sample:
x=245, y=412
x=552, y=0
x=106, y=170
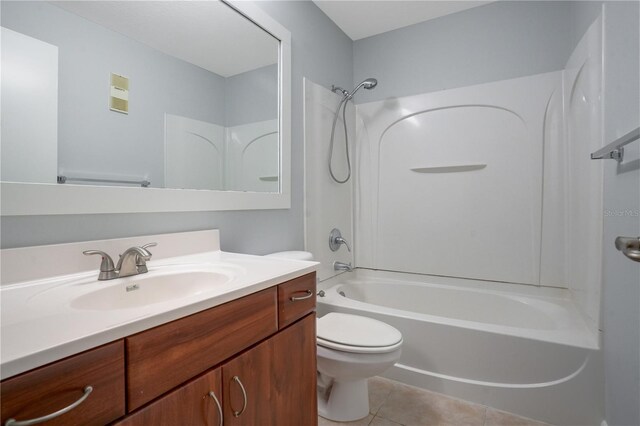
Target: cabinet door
x=190, y=404
x=293, y=372
x=275, y=382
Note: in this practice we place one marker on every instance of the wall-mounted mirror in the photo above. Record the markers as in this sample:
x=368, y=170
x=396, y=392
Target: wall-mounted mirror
x=188, y=95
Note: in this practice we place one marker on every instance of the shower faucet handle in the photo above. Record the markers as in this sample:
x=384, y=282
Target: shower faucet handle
x=335, y=240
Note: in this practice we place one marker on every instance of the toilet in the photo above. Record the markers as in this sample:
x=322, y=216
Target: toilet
x=294, y=255
x=351, y=349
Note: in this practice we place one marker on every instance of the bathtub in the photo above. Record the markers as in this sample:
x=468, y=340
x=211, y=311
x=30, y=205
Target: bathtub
x=518, y=348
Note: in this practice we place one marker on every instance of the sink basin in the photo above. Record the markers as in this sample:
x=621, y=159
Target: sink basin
x=143, y=290
x=161, y=284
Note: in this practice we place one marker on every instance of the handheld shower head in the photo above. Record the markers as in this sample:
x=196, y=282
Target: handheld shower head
x=368, y=84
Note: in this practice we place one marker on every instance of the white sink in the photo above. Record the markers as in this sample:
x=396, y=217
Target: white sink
x=144, y=290
x=159, y=285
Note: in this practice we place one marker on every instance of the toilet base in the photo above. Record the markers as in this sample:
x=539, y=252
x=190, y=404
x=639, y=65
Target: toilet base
x=344, y=401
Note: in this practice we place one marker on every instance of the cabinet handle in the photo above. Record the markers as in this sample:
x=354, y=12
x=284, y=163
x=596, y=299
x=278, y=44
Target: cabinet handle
x=213, y=396
x=244, y=396
x=309, y=293
x=14, y=422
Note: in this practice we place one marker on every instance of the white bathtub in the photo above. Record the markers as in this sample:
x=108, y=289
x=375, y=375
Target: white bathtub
x=518, y=348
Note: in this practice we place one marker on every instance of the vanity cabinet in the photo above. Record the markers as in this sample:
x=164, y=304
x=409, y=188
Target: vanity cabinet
x=251, y=361
x=162, y=358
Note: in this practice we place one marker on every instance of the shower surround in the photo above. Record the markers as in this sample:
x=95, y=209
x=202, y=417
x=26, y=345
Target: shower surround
x=489, y=182
x=473, y=203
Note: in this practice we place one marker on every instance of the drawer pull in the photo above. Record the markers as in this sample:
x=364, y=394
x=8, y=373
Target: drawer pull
x=309, y=293
x=244, y=395
x=14, y=422
x=213, y=396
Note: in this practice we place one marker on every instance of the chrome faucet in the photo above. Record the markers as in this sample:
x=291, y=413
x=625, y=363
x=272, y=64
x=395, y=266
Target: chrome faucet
x=341, y=266
x=128, y=263
x=132, y=262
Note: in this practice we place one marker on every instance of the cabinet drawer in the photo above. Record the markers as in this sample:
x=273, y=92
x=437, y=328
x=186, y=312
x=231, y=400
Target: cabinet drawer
x=50, y=388
x=162, y=358
x=190, y=404
x=296, y=298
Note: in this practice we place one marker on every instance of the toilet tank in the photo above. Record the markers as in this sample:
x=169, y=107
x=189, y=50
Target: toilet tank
x=295, y=255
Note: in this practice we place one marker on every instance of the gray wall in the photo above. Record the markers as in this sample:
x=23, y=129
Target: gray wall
x=320, y=51
x=252, y=96
x=92, y=139
x=621, y=287
x=621, y=277
x=493, y=42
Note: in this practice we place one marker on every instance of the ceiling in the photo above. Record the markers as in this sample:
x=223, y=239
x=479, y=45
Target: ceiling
x=204, y=33
x=364, y=18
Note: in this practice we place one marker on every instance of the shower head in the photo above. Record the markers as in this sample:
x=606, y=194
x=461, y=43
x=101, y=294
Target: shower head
x=368, y=84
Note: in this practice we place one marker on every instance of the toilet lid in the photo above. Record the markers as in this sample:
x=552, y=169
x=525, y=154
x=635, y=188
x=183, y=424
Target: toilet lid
x=345, y=330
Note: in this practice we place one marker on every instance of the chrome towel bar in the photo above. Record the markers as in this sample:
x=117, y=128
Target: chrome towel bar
x=629, y=246
x=142, y=183
x=615, y=149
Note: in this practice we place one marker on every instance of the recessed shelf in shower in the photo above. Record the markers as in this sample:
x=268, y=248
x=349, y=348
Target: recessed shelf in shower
x=449, y=169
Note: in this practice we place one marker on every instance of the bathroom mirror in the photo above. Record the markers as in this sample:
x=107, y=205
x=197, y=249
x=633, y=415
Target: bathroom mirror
x=118, y=106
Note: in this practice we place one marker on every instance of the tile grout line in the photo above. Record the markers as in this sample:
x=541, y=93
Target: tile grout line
x=386, y=398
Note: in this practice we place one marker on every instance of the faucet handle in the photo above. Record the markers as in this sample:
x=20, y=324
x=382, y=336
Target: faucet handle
x=139, y=259
x=141, y=263
x=107, y=270
x=335, y=240
x=341, y=240
x=146, y=246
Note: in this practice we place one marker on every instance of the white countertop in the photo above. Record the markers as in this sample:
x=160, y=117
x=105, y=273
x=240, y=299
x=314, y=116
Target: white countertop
x=39, y=325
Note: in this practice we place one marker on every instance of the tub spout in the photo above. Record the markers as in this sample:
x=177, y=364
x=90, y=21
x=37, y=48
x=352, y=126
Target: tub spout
x=340, y=266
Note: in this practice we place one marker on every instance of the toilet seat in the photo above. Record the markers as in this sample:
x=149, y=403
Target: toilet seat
x=356, y=334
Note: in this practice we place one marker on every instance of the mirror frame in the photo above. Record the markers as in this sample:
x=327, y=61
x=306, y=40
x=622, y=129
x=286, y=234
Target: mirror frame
x=20, y=199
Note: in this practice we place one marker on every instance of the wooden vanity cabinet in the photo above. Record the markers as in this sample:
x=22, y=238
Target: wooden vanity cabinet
x=272, y=383
x=163, y=357
x=256, y=355
x=259, y=354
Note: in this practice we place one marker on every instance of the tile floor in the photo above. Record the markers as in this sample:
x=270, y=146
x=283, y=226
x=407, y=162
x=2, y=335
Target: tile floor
x=394, y=404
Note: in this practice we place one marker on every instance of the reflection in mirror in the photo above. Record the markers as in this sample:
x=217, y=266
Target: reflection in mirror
x=166, y=94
